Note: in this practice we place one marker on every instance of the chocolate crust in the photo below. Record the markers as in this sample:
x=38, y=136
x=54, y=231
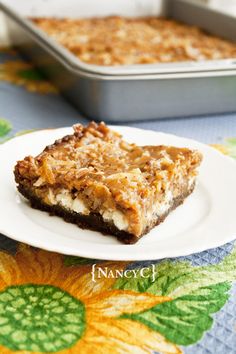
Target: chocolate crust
x=94, y=221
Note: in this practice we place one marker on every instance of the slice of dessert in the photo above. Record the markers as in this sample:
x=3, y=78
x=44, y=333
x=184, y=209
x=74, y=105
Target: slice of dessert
x=98, y=181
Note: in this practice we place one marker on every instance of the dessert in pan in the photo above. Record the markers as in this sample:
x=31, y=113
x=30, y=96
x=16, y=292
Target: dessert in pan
x=122, y=41
x=97, y=180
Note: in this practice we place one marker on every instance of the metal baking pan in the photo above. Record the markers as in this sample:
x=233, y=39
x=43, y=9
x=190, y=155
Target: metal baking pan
x=134, y=92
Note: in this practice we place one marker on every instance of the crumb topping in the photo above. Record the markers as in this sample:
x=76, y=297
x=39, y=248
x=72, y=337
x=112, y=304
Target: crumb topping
x=123, y=41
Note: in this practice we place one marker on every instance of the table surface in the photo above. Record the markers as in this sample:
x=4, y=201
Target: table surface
x=191, y=306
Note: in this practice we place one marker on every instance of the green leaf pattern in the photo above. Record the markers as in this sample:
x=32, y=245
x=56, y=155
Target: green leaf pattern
x=177, y=278
x=184, y=320
x=75, y=261
x=5, y=127
x=231, y=145
x=196, y=293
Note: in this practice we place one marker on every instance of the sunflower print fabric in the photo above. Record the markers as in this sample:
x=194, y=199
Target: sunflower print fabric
x=56, y=308
x=49, y=304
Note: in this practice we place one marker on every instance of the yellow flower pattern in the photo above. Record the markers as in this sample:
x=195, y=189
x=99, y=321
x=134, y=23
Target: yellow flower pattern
x=24, y=74
x=37, y=286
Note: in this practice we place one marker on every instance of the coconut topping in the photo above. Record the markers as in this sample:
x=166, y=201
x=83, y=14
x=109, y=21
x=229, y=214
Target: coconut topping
x=124, y=41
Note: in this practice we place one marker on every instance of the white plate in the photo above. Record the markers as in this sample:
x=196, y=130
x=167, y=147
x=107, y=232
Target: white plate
x=206, y=219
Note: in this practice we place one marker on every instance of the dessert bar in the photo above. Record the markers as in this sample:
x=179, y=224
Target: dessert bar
x=97, y=180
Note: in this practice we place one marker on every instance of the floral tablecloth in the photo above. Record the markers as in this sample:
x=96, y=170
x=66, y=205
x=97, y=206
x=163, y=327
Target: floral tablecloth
x=50, y=303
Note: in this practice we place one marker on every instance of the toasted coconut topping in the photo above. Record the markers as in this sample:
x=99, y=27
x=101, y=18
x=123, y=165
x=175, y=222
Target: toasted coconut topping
x=123, y=41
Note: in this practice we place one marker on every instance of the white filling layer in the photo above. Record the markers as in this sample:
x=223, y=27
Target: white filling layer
x=117, y=217
x=161, y=208
x=64, y=199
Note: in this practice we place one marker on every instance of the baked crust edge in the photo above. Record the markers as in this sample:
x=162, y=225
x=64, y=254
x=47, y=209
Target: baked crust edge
x=94, y=221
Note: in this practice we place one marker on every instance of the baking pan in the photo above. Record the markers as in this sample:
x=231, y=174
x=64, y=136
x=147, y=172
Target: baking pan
x=134, y=92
